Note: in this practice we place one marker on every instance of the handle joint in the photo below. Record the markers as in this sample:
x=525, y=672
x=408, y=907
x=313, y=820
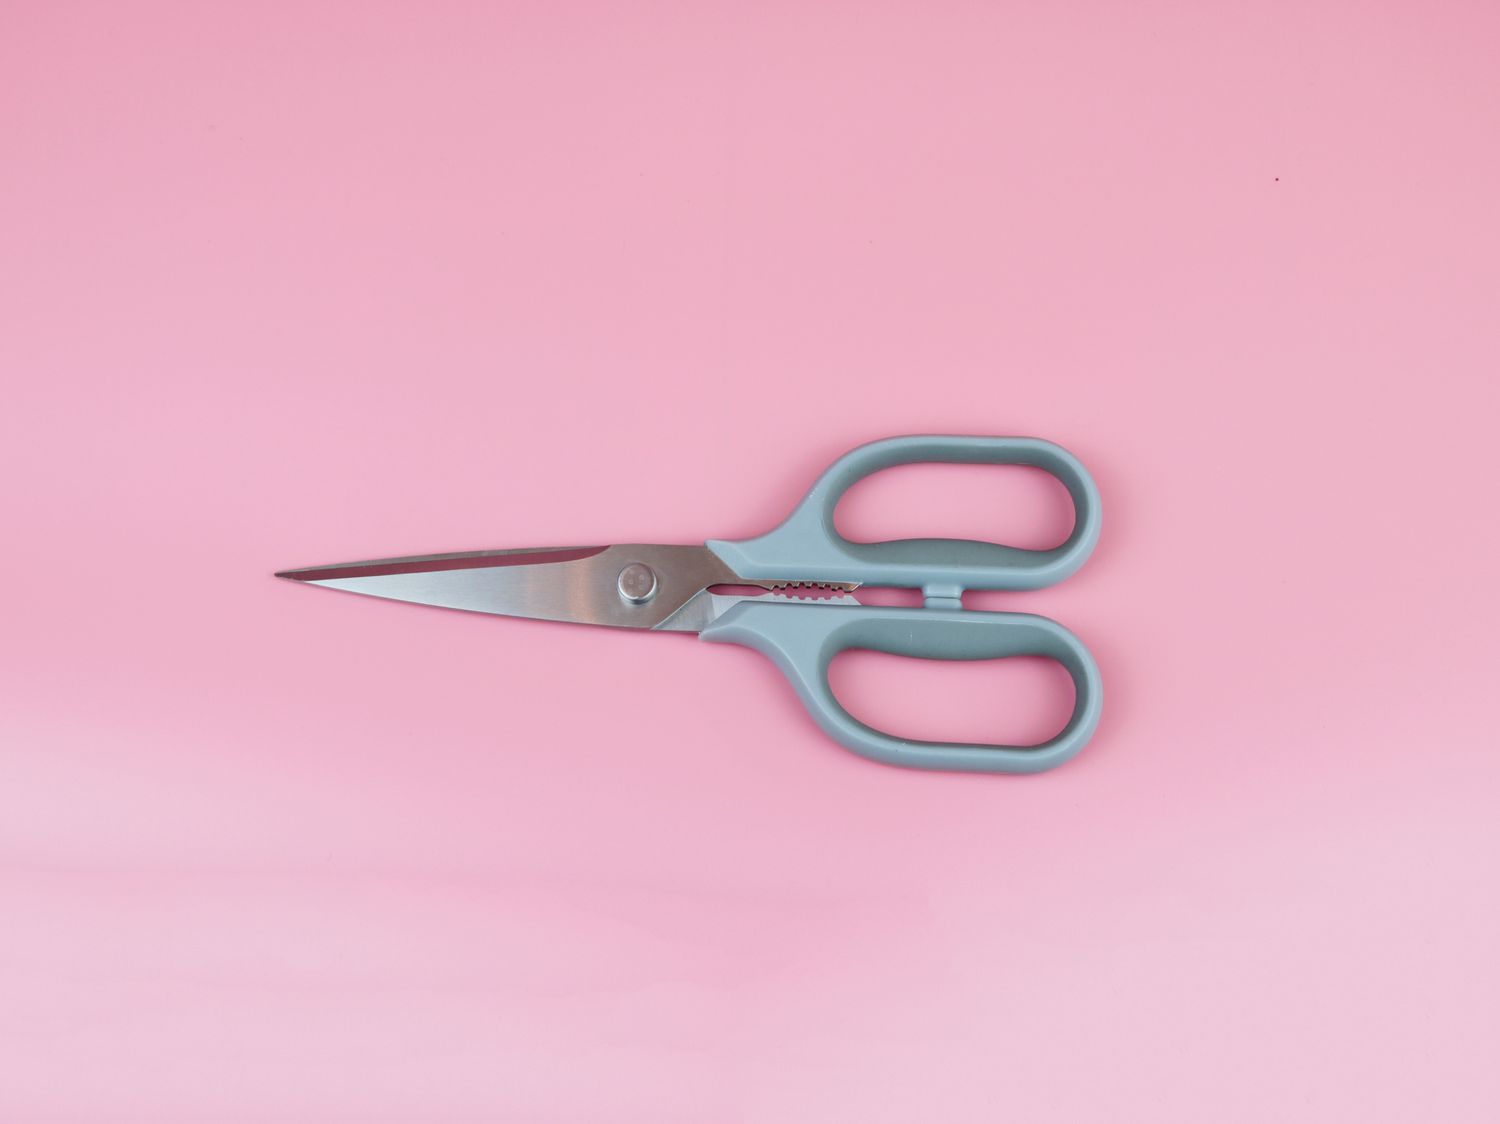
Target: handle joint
x=942, y=595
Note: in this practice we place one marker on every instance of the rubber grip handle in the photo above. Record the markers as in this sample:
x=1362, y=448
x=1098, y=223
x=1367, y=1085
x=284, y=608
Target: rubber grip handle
x=807, y=546
x=803, y=639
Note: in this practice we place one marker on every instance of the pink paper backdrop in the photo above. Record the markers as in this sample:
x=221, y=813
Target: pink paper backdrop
x=287, y=284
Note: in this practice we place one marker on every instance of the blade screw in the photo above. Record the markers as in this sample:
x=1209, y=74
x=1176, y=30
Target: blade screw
x=637, y=583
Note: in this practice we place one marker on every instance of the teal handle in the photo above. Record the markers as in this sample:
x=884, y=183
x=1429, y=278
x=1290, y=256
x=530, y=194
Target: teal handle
x=803, y=639
x=807, y=547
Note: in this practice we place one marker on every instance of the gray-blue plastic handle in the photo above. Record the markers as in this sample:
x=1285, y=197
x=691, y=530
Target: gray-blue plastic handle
x=803, y=639
x=807, y=547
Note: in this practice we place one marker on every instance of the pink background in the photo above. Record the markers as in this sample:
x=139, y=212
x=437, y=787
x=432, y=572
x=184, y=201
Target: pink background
x=294, y=284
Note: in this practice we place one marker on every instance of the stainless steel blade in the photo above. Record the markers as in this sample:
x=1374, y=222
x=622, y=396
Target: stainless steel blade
x=708, y=606
x=630, y=586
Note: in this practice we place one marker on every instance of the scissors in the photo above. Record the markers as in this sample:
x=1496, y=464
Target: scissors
x=801, y=610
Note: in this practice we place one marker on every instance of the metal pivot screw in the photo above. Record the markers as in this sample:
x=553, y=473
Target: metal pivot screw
x=637, y=583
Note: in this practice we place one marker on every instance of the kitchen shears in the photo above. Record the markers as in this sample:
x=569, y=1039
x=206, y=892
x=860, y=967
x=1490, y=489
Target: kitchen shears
x=679, y=589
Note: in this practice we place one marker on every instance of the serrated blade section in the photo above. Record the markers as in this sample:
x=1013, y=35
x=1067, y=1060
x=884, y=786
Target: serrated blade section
x=810, y=589
x=708, y=606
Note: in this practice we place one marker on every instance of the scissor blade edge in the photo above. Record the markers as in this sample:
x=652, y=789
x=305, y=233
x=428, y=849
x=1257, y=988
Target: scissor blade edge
x=435, y=563
x=579, y=586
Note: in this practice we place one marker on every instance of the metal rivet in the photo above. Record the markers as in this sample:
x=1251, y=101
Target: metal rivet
x=637, y=583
